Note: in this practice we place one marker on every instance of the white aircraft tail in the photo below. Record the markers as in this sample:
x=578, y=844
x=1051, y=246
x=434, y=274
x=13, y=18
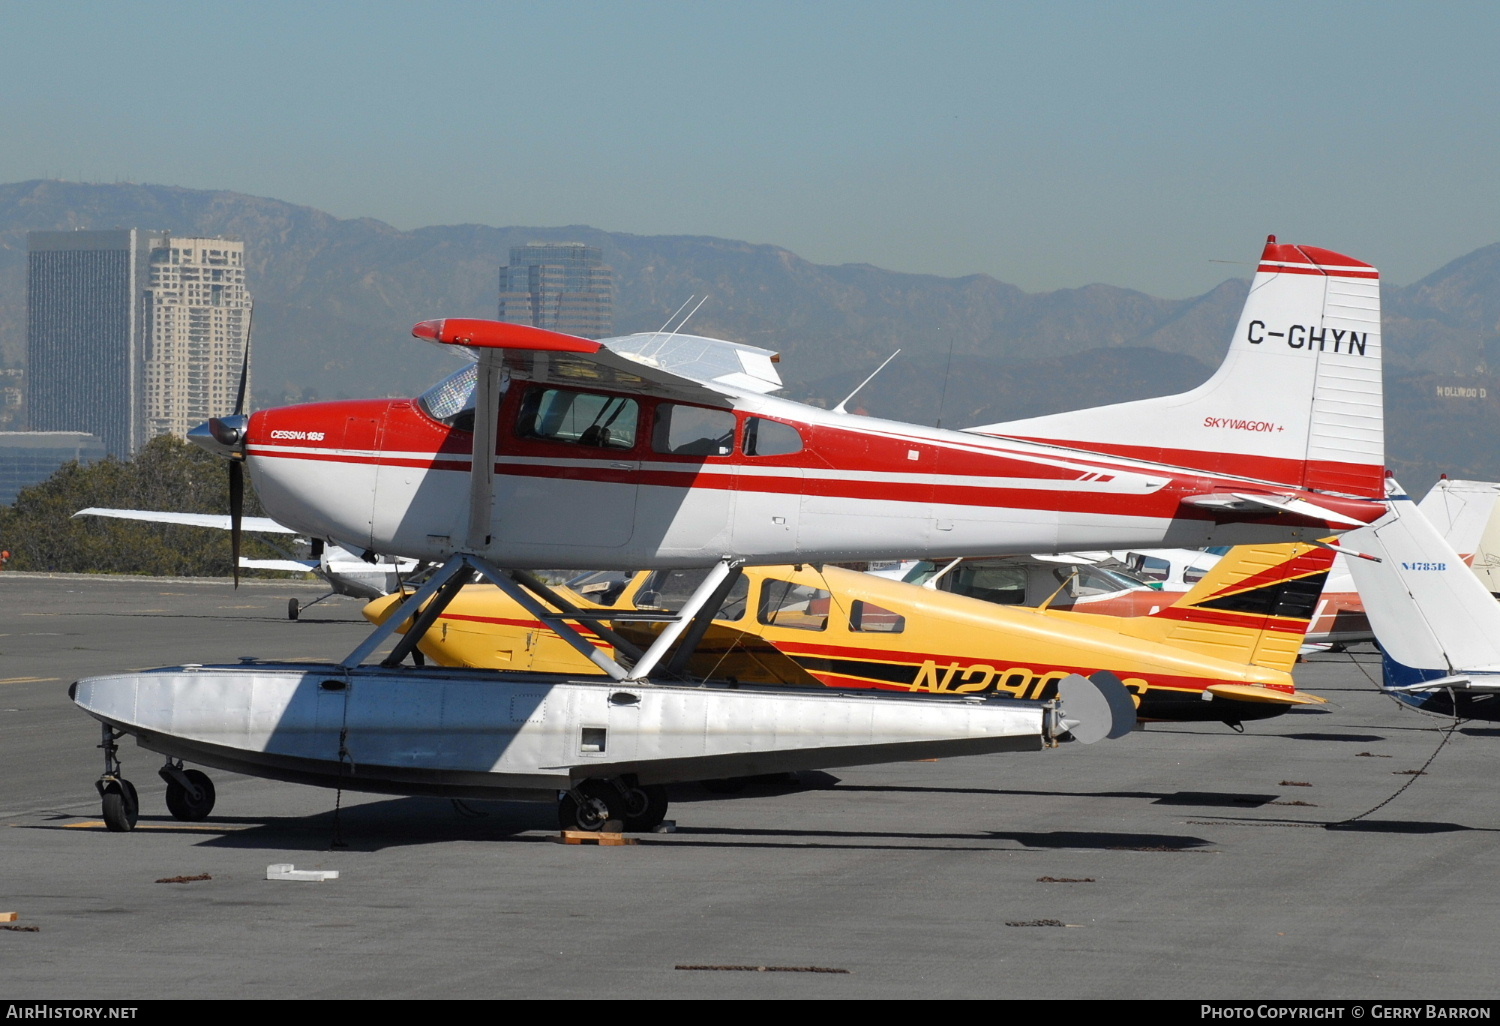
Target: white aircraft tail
x=1297, y=400
x=1433, y=618
x=1460, y=511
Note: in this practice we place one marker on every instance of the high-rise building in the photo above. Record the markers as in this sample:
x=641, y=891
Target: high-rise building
x=563, y=287
x=132, y=334
x=85, y=295
x=198, y=320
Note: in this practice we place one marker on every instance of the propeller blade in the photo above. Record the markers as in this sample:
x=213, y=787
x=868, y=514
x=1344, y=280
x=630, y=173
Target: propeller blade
x=236, y=512
x=239, y=398
x=232, y=435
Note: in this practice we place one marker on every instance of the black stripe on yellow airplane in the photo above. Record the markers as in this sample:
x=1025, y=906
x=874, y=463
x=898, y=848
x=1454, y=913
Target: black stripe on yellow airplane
x=1295, y=599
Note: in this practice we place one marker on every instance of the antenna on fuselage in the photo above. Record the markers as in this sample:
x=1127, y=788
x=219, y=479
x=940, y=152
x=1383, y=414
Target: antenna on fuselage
x=679, y=310
x=947, y=373
x=680, y=323
x=683, y=323
x=840, y=407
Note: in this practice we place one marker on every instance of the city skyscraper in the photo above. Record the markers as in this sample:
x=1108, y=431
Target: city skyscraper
x=132, y=334
x=198, y=318
x=563, y=287
x=85, y=296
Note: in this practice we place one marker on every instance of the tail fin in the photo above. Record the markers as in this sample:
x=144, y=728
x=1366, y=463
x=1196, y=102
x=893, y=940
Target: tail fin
x=1432, y=616
x=1297, y=400
x=1460, y=511
x=1253, y=607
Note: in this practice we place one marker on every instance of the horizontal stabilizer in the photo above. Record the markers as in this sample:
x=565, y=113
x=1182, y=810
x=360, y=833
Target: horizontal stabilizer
x=1248, y=505
x=1257, y=693
x=1459, y=682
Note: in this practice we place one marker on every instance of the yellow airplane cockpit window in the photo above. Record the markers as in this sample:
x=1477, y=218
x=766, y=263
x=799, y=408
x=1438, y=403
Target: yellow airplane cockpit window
x=798, y=606
x=867, y=617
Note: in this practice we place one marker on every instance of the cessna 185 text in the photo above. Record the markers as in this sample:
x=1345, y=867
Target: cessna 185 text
x=665, y=450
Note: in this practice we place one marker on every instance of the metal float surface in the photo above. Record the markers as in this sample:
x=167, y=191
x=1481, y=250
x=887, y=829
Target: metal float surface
x=478, y=733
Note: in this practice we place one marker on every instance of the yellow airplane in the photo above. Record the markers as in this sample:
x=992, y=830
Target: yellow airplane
x=1222, y=651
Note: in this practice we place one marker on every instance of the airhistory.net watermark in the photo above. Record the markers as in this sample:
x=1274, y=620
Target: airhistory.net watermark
x=51, y=1010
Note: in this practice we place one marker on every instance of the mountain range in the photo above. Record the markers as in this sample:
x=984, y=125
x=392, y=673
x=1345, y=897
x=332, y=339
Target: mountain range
x=335, y=299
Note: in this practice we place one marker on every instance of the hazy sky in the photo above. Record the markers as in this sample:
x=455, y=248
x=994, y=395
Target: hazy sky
x=1048, y=144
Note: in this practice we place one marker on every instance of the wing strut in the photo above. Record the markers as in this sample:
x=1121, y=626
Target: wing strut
x=703, y=621
x=421, y=610
x=594, y=618
x=487, y=387
x=670, y=632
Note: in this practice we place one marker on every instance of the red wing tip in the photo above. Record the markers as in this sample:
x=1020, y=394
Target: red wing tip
x=471, y=331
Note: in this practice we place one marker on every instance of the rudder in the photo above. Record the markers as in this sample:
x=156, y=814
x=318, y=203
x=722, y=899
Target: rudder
x=1254, y=606
x=1431, y=615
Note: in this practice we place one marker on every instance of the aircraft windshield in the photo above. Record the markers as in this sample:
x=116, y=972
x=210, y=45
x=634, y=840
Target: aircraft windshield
x=1094, y=580
x=452, y=397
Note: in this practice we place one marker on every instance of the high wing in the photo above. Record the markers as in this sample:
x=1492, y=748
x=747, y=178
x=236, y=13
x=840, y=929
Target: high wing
x=689, y=367
x=295, y=566
x=222, y=522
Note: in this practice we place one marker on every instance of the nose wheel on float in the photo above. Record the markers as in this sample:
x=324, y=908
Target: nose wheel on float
x=121, y=804
x=190, y=794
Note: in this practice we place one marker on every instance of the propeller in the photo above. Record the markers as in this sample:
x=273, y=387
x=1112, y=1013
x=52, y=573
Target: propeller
x=225, y=436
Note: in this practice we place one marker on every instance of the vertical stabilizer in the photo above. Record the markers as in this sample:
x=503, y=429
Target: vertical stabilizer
x=1297, y=400
x=1459, y=511
x=1254, y=606
x=1431, y=615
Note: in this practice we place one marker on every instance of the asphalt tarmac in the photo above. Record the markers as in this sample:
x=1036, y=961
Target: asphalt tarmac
x=1184, y=861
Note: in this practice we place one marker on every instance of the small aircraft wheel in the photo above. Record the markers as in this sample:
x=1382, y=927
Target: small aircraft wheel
x=180, y=801
x=645, y=807
x=122, y=806
x=602, y=802
x=291, y=609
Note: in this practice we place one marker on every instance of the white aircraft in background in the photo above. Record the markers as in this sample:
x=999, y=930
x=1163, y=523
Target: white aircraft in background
x=1457, y=510
x=1437, y=624
x=1463, y=512
x=344, y=572
x=1109, y=583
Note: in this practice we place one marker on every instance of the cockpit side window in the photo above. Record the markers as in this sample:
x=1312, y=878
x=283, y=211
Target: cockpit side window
x=579, y=418
x=770, y=438
x=799, y=606
x=692, y=431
